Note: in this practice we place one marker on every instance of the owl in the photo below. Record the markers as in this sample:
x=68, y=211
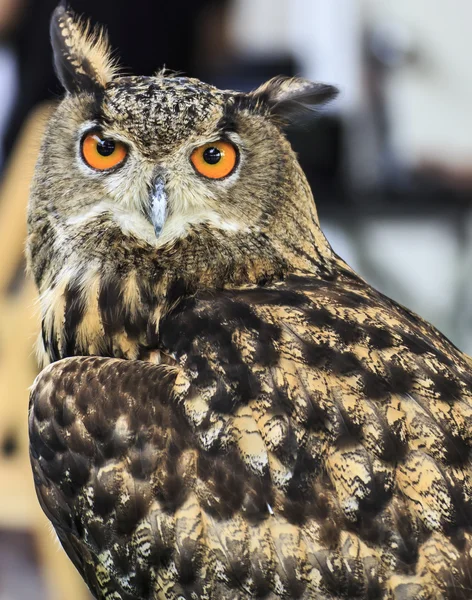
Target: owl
x=226, y=409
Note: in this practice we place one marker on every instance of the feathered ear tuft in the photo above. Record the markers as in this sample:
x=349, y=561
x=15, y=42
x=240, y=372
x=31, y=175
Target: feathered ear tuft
x=82, y=56
x=288, y=97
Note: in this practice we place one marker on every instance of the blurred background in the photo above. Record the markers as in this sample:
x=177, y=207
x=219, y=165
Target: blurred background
x=390, y=163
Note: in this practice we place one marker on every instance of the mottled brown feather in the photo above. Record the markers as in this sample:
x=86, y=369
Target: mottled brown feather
x=230, y=411
x=286, y=454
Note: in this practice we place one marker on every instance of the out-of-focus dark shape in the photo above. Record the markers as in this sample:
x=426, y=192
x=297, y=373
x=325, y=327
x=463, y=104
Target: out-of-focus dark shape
x=10, y=15
x=442, y=175
x=387, y=47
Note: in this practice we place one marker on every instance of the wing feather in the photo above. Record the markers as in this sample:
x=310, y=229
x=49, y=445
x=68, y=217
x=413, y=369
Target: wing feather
x=314, y=440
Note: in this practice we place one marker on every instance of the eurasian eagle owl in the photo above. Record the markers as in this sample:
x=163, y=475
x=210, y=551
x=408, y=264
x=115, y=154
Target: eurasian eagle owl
x=230, y=412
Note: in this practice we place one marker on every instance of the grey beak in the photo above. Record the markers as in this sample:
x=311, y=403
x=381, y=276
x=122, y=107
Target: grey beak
x=158, y=205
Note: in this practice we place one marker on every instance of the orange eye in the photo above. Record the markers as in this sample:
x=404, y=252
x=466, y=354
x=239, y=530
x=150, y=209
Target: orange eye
x=215, y=160
x=102, y=153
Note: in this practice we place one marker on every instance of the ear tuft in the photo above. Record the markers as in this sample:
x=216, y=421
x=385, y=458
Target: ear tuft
x=288, y=97
x=82, y=56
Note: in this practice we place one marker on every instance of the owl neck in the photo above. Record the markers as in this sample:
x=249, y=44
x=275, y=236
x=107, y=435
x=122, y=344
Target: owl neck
x=107, y=296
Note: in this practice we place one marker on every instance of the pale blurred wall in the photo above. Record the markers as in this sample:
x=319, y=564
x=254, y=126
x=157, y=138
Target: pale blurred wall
x=259, y=27
x=431, y=99
x=326, y=38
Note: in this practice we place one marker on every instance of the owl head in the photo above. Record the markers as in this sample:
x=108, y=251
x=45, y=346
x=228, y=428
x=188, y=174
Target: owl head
x=134, y=167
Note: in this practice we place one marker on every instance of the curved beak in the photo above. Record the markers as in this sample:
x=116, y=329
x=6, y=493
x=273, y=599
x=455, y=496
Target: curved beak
x=158, y=204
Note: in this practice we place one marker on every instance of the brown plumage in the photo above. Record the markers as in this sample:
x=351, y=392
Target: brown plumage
x=230, y=412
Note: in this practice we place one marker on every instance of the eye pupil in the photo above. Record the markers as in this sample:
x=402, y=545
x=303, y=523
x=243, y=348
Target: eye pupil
x=106, y=147
x=212, y=155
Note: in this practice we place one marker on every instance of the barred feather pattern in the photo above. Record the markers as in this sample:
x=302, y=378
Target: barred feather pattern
x=307, y=438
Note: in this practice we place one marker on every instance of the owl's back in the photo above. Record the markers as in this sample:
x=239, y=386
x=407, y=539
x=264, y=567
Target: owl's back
x=311, y=439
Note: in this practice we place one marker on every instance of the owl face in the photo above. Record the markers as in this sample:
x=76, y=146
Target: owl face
x=155, y=158
x=162, y=154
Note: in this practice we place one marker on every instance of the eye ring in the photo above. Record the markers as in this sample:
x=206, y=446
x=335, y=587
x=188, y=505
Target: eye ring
x=101, y=153
x=215, y=160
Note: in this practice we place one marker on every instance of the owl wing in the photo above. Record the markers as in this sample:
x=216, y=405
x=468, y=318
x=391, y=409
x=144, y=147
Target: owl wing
x=313, y=442
x=101, y=433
